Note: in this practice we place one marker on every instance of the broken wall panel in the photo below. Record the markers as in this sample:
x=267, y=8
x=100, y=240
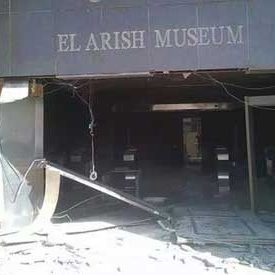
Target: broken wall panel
x=21, y=143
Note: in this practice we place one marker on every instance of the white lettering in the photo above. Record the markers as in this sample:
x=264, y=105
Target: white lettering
x=73, y=46
x=192, y=37
x=92, y=45
x=164, y=38
x=215, y=35
x=204, y=36
x=138, y=39
x=237, y=37
x=163, y=42
x=117, y=47
x=63, y=45
x=181, y=43
x=126, y=40
x=105, y=41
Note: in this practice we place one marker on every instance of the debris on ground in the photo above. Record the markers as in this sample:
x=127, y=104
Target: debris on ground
x=118, y=252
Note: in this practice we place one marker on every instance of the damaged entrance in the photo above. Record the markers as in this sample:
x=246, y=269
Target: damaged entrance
x=176, y=138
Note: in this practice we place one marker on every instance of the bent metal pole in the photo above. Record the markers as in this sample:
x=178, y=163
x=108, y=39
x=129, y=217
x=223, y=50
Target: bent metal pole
x=113, y=192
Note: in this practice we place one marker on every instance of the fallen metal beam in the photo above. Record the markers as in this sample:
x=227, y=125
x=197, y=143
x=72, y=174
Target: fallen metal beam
x=113, y=192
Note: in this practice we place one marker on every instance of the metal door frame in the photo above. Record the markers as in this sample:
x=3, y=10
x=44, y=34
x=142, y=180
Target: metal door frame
x=252, y=102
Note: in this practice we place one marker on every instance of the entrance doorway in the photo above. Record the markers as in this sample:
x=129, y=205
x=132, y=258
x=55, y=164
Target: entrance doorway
x=192, y=140
x=167, y=129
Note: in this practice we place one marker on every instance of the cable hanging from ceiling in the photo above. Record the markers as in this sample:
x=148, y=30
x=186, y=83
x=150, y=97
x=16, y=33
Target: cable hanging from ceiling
x=236, y=98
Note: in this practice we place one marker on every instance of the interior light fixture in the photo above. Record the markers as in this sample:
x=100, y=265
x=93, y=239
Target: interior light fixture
x=192, y=106
x=13, y=90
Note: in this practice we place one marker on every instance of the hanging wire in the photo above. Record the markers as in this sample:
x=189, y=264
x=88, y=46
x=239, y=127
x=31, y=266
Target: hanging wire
x=21, y=179
x=63, y=216
x=136, y=223
x=22, y=182
x=7, y=180
x=57, y=215
x=223, y=85
x=249, y=88
x=93, y=173
x=73, y=86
